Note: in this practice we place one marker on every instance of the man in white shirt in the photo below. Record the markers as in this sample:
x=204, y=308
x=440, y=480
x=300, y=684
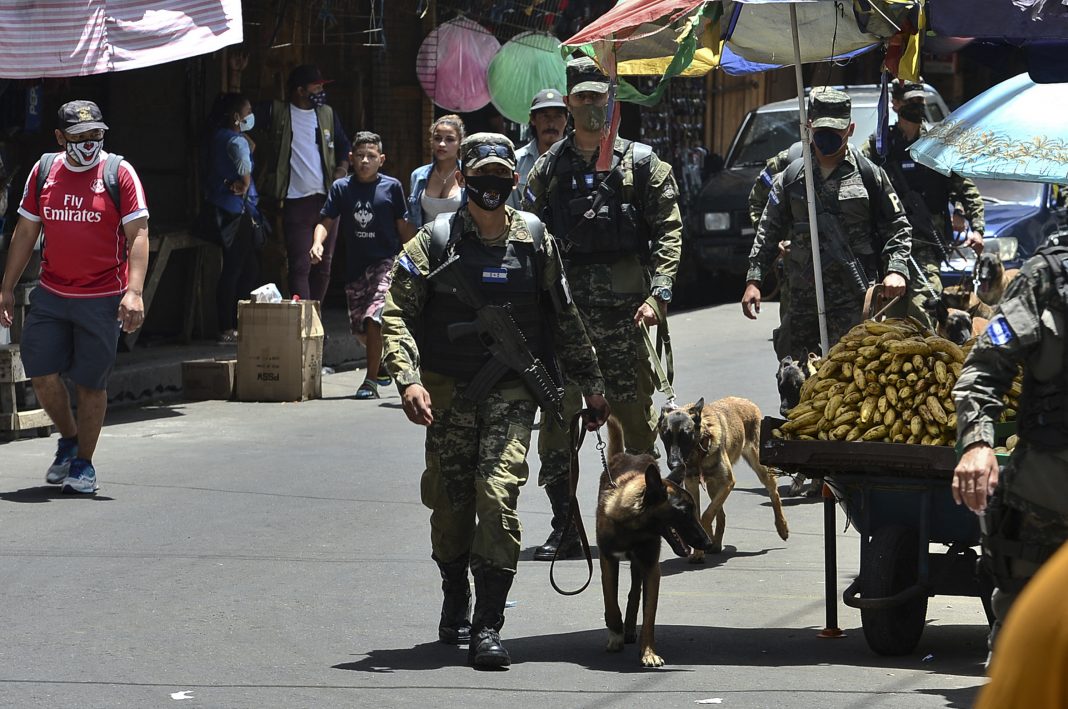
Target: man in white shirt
x=305, y=150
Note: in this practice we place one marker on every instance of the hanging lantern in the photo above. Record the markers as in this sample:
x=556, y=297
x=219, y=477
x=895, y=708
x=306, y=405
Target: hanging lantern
x=452, y=64
x=525, y=65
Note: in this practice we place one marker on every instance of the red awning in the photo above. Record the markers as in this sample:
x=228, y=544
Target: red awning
x=628, y=15
x=81, y=37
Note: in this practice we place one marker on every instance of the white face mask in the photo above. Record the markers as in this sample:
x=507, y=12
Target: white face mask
x=84, y=152
x=247, y=122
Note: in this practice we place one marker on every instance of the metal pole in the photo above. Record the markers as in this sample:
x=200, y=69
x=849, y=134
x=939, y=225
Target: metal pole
x=830, y=567
x=810, y=193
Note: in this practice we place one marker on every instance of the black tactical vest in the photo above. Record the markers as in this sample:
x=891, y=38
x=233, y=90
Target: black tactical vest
x=932, y=187
x=1043, y=415
x=507, y=274
x=616, y=227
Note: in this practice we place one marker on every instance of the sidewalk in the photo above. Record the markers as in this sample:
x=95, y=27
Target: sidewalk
x=151, y=374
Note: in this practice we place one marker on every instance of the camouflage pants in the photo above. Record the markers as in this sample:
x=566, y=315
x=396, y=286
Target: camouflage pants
x=799, y=327
x=1028, y=527
x=920, y=288
x=628, y=378
x=476, y=461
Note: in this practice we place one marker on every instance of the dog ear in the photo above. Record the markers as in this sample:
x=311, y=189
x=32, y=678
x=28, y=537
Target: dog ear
x=654, y=485
x=677, y=476
x=698, y=406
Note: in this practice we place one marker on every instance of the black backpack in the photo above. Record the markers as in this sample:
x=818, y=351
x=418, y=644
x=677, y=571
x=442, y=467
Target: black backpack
x=111, y=176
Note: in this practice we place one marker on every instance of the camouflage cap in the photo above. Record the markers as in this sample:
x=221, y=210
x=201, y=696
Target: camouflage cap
x=481, y=149
x=907, y=90
x=583, y=74
x=829, y=108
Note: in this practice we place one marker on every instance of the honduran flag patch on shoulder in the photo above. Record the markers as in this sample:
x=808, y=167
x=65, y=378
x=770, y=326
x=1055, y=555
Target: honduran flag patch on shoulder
x=999, y=331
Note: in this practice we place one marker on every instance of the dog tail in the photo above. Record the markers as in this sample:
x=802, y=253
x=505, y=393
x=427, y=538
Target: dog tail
x=615, y=437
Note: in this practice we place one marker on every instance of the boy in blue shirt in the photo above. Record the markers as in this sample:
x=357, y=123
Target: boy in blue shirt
x=372, y=210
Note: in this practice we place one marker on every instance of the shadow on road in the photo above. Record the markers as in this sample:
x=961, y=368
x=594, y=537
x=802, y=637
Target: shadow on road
x=953, y=650
x=47, y=493
x=670, y=567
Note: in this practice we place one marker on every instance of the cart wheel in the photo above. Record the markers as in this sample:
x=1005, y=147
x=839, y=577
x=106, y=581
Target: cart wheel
x=891, y=567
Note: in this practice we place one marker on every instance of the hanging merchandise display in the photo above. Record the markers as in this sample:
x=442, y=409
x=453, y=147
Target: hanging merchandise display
x=526, y=64
x=452, y=65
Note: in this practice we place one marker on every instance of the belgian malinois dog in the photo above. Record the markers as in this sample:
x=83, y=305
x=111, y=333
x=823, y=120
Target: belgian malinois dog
x=993, y=278
x=703, y=442
x=635, y=509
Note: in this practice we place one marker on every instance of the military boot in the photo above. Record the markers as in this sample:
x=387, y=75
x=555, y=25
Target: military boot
x=563, y=537
x=491, y=593
x=455, y=626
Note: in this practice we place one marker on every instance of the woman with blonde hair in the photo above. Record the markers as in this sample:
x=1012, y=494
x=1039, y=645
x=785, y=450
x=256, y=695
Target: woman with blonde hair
x=433, y=189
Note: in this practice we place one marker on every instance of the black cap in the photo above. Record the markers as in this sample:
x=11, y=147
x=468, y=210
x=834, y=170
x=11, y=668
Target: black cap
x=80, y=116
x=547, y=98
x=306, y=74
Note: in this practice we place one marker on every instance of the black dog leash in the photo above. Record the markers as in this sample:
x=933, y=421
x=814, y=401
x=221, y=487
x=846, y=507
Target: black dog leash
x=577, y=435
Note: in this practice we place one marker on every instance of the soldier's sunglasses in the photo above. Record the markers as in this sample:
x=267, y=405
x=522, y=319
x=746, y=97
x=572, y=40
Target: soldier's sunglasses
x=501, y=151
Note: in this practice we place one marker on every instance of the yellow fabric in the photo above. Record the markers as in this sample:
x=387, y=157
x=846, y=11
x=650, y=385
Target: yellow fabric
x=909, y=68
x=1031, y=650
x=704, y=61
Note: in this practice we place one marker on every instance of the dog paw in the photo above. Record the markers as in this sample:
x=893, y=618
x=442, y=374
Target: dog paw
x=615, y=642
x=651, y=659
x=696, y=557
x=783, y=530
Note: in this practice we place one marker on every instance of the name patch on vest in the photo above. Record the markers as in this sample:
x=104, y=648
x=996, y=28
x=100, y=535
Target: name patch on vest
x=905, y=165
x=494, y=275
x=998, y=331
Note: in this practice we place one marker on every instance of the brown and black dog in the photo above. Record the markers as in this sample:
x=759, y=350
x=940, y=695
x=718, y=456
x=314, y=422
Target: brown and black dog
x=635, y=509
x=703, y=442
x=993, y=278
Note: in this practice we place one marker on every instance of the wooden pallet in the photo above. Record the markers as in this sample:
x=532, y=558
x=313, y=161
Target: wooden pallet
x=16, y=391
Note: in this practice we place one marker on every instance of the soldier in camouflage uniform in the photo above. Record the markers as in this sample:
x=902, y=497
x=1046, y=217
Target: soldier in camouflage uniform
x=476, y=449
x=604, y=223
x=1026, y=519
x=866, y=216
x=926, y=196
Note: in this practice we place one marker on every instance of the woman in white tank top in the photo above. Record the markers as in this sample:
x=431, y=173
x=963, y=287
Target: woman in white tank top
x=433, y=188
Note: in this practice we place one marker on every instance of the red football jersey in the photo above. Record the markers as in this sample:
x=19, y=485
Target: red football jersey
x=85, y=250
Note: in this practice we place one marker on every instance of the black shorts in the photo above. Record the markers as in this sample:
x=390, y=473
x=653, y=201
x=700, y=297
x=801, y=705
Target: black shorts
x=73, y=336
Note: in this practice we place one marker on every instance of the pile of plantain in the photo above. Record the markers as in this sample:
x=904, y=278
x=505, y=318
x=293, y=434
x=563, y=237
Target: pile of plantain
x=889, y=381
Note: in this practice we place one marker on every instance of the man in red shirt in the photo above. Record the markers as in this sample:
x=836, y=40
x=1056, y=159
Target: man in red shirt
x=93, y=262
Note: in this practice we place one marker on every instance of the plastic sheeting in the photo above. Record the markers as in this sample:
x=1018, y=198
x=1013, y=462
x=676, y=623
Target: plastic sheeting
x=526, y=64
x=452, y=65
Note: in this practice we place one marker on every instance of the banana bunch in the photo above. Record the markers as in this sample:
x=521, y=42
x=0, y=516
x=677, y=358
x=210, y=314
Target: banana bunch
x=884, y=381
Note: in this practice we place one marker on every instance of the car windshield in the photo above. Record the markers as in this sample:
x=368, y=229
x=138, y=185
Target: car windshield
x=1010, y=192
x=770, y=132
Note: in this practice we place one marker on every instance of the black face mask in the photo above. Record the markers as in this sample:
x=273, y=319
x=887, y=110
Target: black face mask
x=913, y=112
x=828, y=142
x=488, y=191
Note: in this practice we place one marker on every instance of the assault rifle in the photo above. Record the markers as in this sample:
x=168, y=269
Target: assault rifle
x=499, y=333
x=834, y=243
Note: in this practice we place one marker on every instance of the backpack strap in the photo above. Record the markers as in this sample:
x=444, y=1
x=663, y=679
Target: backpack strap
x=642, y=157
x=45, y=167
x=111, y=179
x=535, y=227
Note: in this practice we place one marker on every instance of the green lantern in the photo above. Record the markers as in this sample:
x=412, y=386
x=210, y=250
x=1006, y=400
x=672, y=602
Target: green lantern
x=526, y=64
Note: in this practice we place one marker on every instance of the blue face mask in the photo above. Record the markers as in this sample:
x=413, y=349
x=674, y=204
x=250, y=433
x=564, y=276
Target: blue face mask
x=247, y=123
x=318, y=100
x=828, y=142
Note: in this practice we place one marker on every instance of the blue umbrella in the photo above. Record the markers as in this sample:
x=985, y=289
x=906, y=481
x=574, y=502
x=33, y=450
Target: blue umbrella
x=1013, y=131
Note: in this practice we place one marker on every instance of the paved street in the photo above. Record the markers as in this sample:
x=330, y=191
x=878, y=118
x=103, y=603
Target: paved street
x=277, y=555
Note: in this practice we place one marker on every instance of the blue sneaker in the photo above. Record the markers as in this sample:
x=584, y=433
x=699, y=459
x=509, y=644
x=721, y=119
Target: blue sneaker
x=81, y=479
x=66, y=451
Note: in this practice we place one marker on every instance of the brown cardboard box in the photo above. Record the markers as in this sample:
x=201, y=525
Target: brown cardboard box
x=279, y=351
x=208, y=379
